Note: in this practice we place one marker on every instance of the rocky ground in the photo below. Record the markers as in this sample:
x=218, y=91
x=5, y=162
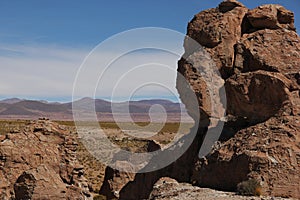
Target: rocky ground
x=24, y=175
x=170, y=189
x=46, y=138
x=39, y=162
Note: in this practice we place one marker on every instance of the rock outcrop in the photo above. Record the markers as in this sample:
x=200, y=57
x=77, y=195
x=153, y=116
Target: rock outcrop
x=256, y=54
x=39, y=162
x=114, y=179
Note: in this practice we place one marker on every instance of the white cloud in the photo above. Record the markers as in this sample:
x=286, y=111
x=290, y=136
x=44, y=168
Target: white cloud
x=38, y=71
x=49, y=71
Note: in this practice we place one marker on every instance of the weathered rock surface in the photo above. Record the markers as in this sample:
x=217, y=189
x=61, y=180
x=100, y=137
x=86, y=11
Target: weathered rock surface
x=268, y=152
x=218, y=30
x=261, y=75
x=115, y=180
x=40, y=162
x=270, y=17
x=245, y=102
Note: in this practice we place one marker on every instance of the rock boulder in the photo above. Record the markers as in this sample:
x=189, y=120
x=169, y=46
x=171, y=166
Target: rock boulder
x=39, y=162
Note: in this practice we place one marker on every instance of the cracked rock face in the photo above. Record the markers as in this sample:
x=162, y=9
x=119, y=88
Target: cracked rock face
x=39, y=162
x=270, y=17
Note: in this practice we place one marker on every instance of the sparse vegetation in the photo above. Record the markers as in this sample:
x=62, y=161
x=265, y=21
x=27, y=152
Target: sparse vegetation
x=94, y=169
x=250, y=187
x=168, y=127
x=7, y=126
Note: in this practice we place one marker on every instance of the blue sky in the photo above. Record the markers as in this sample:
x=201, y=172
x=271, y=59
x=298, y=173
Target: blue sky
x=41, y=41
x=75, y=23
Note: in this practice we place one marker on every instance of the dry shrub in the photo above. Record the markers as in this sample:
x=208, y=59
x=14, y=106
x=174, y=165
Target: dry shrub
x=250, y=187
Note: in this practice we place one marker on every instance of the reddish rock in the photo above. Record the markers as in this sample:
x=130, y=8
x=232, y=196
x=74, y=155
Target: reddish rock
x=268, y=152
x=198, y=89
x=218, y=30
x=269, y=50
x=245, y=102
x=115, y=180
x=229, y=5
x=122, y=172
x=39, y=182
x=169, y=189
x=263, y=96
x=271, y=17
x=39, y=163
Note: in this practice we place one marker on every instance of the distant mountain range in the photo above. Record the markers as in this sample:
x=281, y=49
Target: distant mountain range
x=15, y=108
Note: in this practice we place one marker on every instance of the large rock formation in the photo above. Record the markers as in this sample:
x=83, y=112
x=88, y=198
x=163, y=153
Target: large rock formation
x=257, y=54
x=39, y=162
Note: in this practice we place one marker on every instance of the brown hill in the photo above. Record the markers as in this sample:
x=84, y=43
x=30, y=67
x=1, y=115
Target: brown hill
x=17, y=110
x=63, y=111
x=11, y=100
